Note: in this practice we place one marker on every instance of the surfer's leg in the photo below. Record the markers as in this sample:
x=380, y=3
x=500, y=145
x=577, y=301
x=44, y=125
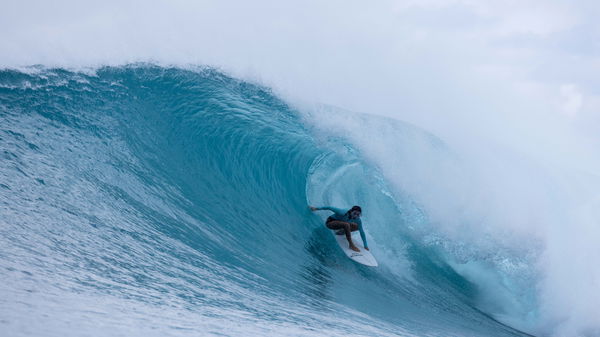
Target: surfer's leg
x=341, y=225
x=347, y=227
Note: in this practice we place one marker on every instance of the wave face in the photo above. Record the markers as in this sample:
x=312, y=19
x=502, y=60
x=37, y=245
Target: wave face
x=144, y=200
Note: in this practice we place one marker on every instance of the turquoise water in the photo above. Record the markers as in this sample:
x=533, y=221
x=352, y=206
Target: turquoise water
x=144, y=200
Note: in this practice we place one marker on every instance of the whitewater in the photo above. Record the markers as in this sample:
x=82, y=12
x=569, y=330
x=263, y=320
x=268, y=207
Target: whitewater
x=158, y=161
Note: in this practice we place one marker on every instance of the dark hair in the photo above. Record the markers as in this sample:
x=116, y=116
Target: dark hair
x=355, y=208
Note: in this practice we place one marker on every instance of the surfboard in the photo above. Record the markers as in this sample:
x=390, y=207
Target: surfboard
x=363, y=257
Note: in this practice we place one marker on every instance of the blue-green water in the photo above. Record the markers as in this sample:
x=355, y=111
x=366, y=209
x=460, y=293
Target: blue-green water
x=152, y=201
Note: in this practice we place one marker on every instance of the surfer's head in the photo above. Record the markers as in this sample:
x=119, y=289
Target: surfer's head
x=355, y=212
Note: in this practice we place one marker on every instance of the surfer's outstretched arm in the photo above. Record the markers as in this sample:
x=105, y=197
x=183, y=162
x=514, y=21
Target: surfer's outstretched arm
x=328, y=208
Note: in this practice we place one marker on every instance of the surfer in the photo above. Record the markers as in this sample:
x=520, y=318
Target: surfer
x=345, y=222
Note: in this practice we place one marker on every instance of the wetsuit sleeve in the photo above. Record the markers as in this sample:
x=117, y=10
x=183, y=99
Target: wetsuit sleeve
x=335, y=210
x=362, y=233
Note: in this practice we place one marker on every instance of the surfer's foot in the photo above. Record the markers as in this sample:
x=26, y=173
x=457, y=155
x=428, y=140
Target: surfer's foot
x=340, y=232
x=354, y=248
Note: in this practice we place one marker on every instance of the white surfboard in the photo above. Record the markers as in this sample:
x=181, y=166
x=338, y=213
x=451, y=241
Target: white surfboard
x=363, y=257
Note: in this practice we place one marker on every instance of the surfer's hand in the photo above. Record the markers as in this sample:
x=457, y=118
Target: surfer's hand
x=312, y=208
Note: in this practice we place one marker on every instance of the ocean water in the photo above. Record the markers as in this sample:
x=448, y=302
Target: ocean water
x=146, y=200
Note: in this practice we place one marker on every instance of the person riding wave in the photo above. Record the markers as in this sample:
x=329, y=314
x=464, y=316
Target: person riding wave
x=345, y=222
